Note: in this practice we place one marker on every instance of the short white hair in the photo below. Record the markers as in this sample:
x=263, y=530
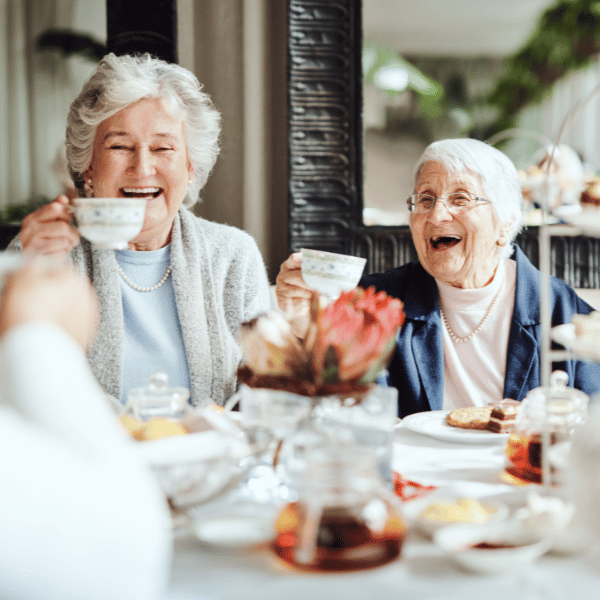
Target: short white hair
x=119, y=81
x=497, y=173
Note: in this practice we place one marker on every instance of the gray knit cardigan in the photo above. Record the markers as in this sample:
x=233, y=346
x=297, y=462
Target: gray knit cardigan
x=219, y=281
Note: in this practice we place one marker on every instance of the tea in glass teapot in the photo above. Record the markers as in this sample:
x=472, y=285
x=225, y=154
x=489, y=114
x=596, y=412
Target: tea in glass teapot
x=345, y=517
x=546, y=414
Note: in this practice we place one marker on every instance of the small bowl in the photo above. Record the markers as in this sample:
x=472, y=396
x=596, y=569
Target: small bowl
x=555, y=517
x=497, y=512
x=197, y=467
x=524, y=546
x=109, y=222
x=331, y=274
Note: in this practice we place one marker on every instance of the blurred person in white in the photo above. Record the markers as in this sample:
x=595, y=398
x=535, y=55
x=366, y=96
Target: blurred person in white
x=80, y=515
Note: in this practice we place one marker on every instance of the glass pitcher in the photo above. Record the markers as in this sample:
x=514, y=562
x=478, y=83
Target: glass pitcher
x=345, y=517
x=553, y=411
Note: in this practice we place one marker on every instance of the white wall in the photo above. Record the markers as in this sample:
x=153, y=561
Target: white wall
x=237, y=49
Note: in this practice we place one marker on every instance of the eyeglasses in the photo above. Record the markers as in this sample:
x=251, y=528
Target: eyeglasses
x=455, y=203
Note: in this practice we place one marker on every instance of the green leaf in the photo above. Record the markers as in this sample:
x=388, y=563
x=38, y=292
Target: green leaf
x=566, y=38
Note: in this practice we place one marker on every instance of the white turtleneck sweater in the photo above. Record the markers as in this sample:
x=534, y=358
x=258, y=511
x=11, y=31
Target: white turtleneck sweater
x=474, y=370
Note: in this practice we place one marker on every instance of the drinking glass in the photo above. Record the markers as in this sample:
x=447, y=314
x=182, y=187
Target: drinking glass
x=279, y=414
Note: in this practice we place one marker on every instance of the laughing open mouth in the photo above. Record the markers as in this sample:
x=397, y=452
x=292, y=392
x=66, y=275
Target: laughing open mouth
x=441, y=242
x=146, y=192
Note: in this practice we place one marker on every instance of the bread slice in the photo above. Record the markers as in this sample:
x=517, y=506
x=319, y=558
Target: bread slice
x=470, y=417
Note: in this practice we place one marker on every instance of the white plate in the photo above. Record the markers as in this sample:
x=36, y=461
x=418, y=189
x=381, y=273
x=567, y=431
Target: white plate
x=565, y=335
x=433, y=423
x=457, y=542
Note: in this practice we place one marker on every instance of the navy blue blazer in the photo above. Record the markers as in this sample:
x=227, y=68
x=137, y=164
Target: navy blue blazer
x=417, y=366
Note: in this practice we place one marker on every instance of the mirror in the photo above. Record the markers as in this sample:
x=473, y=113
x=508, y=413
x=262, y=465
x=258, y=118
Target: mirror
x=426, y=79
x=325, y=134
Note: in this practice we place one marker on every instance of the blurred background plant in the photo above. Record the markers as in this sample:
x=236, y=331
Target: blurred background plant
x=67, y=43
x=71, y=43
x=13, y=214
x=566, y=39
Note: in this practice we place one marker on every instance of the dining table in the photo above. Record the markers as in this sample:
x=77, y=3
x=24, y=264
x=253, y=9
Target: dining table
x=423, y=570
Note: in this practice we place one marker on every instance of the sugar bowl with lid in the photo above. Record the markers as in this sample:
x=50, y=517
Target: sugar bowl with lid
x=159, y=400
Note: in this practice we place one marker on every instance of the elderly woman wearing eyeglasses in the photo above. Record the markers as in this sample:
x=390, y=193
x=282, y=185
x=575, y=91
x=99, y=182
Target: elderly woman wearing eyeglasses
x=472, y=302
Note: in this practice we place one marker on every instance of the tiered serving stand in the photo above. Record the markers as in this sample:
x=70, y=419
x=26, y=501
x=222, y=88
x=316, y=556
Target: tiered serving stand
x=576, y=223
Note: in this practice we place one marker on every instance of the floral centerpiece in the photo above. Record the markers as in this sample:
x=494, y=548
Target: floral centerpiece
x=347, y=345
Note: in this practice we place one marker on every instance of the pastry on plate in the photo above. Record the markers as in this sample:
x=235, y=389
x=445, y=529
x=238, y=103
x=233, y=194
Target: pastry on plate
x=470, y=417
x=503, y=416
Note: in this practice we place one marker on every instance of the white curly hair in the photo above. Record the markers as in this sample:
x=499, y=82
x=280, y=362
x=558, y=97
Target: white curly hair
x=119, y=81
x=496, y=172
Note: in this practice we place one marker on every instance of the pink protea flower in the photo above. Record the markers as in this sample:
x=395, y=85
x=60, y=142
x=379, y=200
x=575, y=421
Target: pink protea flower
x=356, y=335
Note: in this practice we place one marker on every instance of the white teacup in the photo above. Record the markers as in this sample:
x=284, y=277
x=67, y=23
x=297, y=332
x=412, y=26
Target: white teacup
x=109, y=222
x=329, y=273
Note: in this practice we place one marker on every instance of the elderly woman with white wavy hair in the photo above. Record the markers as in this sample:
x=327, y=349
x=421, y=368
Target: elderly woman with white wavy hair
x=175, y=298
x=472, y=301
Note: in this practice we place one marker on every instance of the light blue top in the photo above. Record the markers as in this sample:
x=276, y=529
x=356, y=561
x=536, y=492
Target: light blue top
x=153, y=339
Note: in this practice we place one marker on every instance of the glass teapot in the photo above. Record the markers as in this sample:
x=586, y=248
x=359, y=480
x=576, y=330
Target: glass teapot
x=553, y=411
x=159, y=400
x=345, y=517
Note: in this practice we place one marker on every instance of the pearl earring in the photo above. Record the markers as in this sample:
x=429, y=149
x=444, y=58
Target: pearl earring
x=502, y=241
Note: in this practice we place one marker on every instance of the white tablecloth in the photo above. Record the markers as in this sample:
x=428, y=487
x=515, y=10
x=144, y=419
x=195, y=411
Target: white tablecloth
x=421, y=572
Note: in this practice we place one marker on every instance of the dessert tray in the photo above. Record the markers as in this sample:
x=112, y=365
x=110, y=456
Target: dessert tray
x=582, y=347
x=433, y=424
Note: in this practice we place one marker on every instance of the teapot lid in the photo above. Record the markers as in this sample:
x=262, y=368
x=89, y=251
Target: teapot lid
x=558, y=390
x=558, y=400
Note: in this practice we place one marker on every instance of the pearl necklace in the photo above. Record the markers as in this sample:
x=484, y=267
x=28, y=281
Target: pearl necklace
x=139, y=288
x=461, y=340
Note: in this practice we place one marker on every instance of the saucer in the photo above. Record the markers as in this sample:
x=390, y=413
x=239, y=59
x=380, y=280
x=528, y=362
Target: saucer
x=236, y=531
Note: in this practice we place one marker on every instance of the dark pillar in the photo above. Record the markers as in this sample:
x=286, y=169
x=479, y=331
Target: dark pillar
x=132, y=29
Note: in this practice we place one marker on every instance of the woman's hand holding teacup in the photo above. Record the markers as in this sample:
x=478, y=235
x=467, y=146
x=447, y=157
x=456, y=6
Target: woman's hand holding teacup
x=293, y=295
x=49, y=229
